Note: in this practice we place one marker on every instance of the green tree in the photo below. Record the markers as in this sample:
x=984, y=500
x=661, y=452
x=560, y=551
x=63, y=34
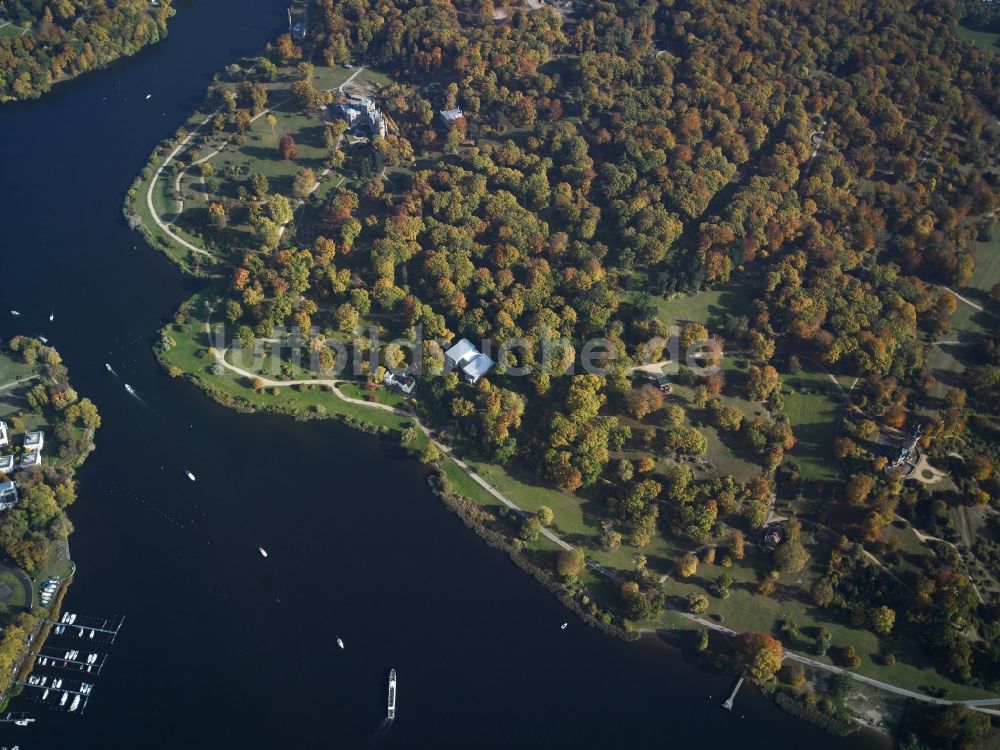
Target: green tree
x=531, y=528
x=883, y=618
x=570, y=563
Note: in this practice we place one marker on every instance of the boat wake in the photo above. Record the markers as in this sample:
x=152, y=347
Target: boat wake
x=379, y=734
x=132, y=496
x=132, y=392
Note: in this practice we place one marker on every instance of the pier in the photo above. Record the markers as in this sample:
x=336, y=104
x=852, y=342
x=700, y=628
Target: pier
x=104, y=630
x=55, y=691
x=59, y=662
x=728, y=705
x=109, y=627
x=20, y=718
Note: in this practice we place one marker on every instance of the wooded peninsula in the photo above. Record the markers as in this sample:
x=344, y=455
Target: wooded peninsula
x=807, y=190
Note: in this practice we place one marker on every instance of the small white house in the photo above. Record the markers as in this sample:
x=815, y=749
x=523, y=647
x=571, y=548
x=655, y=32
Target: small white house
x=33, y=441
x=402, y=381
x=8, y=495
x=469, y=360
x=4, y=437
x=6, y=464
x=451, y=116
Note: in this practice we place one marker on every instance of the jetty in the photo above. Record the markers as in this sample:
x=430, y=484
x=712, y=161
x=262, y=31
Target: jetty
x=728, y=705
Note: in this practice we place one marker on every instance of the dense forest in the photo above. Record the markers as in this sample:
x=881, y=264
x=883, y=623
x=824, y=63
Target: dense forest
x=837, y=159
x=53, y=40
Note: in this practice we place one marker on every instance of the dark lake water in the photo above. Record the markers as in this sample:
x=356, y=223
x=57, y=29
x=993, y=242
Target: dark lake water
x=222, y=648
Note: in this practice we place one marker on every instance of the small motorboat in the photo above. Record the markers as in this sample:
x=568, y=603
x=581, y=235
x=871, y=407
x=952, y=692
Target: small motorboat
x=43, y=339
x=65, y=696
x=130, y=389
x=149, y=96
x=108, y=367
x=263, y=552
x=52, y=316
x=15, y=313
x=190, y=475
x=340, y=642
x=564, y=626
x=91, y=633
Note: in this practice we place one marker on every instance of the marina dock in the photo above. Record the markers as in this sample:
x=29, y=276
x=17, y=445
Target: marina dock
x=73, y=652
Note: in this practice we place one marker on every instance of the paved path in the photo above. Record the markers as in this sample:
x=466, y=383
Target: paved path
x=966, y=300
x=152, y=183
x=12, y=383
x=180, y=146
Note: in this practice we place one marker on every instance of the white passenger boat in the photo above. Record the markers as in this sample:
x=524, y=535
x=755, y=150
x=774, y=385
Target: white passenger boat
x=392, y=694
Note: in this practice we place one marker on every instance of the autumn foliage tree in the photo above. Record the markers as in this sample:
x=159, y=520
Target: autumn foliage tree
x=759, y=655
x=287, y=148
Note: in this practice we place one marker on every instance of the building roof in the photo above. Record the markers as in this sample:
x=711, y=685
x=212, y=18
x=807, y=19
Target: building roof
x=478, y=366
x=461, y=352
x=32, y=439
x=401, y=380
x=8, y=488
x=31, y=458
x=450, y=115
x=6, y=463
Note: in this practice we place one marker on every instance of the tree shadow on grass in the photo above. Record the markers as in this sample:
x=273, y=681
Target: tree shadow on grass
x=312, y=135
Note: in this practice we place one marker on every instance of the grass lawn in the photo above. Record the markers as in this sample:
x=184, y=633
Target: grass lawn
x=812, y=405
x=9, y=29
x=57, y=565
x=985, y=40
x=16, y=601
x=712, y=307
x=946, y=361
x=987, y=273
x=11, y=370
